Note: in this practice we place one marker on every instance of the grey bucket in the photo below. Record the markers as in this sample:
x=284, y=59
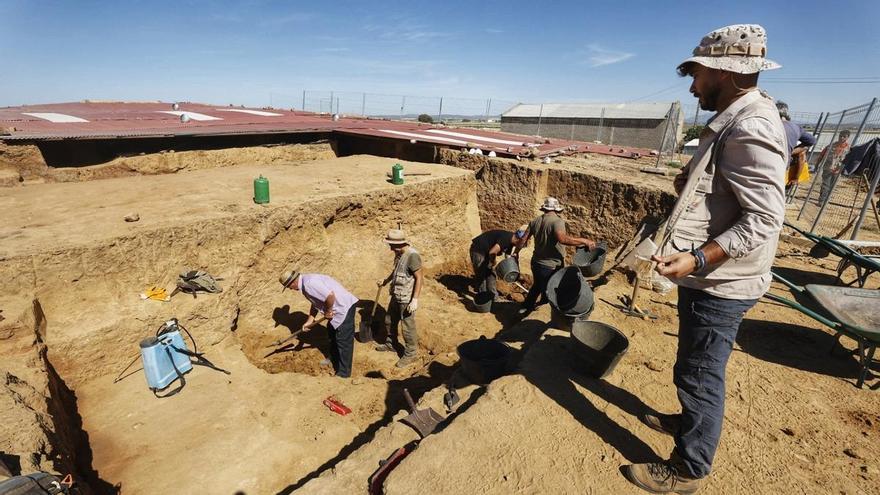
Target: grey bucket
x=508, y=270
x=597, y=347
x=483, y=360
x=590, y=261
x=564, y=321
x=569, y=292
x=483, y=302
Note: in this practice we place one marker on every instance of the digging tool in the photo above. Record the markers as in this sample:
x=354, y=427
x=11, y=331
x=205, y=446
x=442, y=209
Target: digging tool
x=295, y=334
x=451, y=398
x=365, y=332
x=424, y=421
x=521, y=287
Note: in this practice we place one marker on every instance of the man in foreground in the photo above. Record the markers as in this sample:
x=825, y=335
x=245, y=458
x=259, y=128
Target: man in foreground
x=721, y=248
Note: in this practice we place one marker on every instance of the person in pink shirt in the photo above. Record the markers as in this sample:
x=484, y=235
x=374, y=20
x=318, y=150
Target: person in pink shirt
x=339, y=307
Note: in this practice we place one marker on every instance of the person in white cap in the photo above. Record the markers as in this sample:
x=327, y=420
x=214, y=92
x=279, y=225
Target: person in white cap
x=550, y=238
x=338, y=305
x=406, y=285
x=721, y=241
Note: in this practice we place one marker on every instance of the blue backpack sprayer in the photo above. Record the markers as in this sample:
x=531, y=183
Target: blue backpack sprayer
x=165, y=356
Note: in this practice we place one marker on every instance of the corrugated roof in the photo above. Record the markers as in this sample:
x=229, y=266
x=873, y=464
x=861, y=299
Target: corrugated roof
x=656, y=110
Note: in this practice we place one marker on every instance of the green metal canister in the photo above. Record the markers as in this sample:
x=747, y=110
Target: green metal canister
x=397, y=174
x=261, y=190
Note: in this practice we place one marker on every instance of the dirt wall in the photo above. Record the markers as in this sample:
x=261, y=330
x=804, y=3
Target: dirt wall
x=506, y=190
x=603, y=209
x=25, y=163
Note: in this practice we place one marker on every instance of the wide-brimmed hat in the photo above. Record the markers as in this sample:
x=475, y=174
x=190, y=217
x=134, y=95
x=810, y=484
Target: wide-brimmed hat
x=740, y=48
x=287, y=277
x=551, y=204
x=396, y=237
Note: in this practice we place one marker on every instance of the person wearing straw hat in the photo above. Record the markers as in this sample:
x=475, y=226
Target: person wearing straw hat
x=339, y=307
x=719, y=243
x=485, y=248
x=406, y=285
x=550, y=238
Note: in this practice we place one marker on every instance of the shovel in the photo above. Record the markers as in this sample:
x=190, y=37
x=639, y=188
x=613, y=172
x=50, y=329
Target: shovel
x=424, y=421
x=451, y=398
x=365, y=332
x=294, y=334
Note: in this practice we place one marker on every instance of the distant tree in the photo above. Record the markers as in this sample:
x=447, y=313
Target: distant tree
x=426, y=118
x=693, y=133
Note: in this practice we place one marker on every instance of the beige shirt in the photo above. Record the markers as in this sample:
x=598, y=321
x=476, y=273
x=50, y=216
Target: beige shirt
x=740, y=200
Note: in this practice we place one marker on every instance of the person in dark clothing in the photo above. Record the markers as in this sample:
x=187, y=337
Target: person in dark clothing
x=550, y=239
x=799, y=142
x=484, y=250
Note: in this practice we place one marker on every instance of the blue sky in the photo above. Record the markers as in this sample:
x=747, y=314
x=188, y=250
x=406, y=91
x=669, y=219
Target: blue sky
x=254, y=52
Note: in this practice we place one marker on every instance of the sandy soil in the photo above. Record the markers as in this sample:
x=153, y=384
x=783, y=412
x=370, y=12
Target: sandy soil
x=794, y=423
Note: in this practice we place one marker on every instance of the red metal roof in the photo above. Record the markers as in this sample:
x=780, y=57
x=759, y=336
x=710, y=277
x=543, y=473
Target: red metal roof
x=124, y=120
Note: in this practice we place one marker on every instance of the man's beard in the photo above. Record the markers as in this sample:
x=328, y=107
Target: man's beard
x=709, y=99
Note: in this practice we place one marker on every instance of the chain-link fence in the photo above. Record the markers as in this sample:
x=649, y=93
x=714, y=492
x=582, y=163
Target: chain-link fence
x=839, y=201
x=402, y=107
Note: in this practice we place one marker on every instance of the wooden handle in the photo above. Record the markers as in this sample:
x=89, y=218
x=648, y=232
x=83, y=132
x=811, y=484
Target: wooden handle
x=412, y=405
x=376, y=302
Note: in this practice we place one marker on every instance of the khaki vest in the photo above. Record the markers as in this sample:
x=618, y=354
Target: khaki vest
x=402, y=282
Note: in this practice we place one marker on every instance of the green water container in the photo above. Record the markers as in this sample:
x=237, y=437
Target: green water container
x=397, y=174
x=261, y=190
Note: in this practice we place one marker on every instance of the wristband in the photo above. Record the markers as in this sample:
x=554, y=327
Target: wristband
x=699, y=258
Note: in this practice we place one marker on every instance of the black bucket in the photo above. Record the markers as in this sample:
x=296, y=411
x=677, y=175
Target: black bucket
x=569, y=292
x=597, y=347
x=590, y=261
x=483, y=360
x=564, y=321
x=483, y=302
x=508, y=270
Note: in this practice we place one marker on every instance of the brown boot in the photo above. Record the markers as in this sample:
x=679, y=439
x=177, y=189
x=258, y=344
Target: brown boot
x=660, y=477
x=664, y=423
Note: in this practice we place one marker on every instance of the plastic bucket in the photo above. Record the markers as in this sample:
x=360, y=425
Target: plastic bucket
x=508, y=270
x=597, y=347
x=483, y=302
x=569, y=292
x=590, y=261
x=564, y=321
x=483, y=360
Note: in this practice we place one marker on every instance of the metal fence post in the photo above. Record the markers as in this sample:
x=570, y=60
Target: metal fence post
x=540, y=114
x=819, y=128
x=663, y=138
x=601, y=123
x=304, y=101
x=873, y=187
x=402, y=105
x=818, y=179
x=440, y=114
x=331, y=102
x=488, y=108
x=364, y=105
x=818, y=169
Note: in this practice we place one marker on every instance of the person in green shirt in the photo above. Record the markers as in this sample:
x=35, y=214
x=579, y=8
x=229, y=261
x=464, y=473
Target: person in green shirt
x=549, y=255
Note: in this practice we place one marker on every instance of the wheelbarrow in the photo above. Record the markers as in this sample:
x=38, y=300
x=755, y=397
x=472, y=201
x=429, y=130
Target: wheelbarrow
x=852, y=312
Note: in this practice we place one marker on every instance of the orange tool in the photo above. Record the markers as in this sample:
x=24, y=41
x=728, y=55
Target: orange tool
x=336, y=406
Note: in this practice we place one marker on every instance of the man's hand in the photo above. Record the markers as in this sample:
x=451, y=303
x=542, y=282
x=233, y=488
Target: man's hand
x=589, y=243
x=677, y=265
x=679, y=182
x=413, y=305
x=329, y=314
x=380, y=282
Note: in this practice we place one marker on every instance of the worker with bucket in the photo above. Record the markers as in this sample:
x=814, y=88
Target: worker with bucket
x=550, y=239
x=339, y=307
x=484, y=250
x=718, y=245
x=406, y=284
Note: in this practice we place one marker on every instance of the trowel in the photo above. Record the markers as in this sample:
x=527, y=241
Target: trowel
x=278, y=344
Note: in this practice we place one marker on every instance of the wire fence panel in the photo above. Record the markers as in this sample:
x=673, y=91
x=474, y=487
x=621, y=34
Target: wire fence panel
x=835, y=200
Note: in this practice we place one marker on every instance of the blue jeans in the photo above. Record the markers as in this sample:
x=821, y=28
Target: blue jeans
x=342, y=344
x=706, y=331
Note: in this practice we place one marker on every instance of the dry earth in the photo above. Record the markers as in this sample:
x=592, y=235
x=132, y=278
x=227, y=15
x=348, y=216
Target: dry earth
x=794, y=423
